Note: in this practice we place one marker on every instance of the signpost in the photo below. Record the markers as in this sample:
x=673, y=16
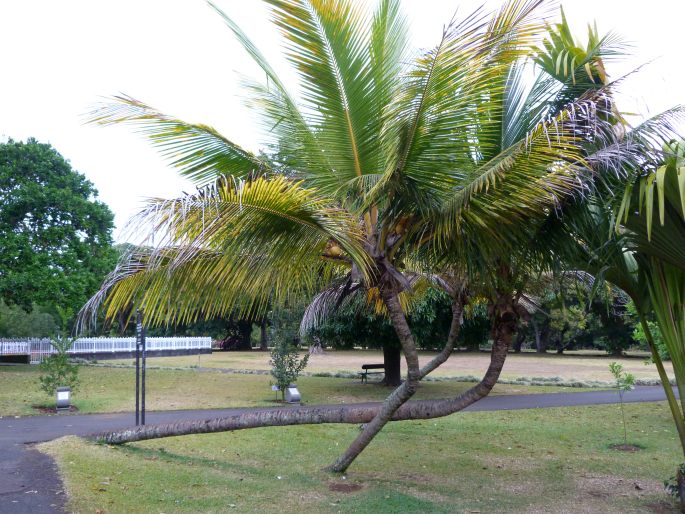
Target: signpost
x=140, y=369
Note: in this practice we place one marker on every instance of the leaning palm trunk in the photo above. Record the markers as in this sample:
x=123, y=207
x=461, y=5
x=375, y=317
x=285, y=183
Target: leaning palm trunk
x=504, y=327
x=349, y=414
x=407, y=389
x=666, y=383
x=666, y=286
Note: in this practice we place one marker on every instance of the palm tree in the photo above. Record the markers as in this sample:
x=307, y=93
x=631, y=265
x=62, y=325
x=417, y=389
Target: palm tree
x=617, y=239
x=384, y=168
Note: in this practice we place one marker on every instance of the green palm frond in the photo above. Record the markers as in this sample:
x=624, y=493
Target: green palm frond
x=526, y=180
x=448, y=113
x=235, y=242
x=327, y=43
x=285, y=127
x=666, y=181
x=199, y=152
x=575, y=68
x=174, y=290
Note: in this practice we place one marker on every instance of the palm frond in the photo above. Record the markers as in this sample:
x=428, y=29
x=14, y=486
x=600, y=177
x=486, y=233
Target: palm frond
x=234, y=242
x=530, y=178
x=199, y=152
x=285, y=126
x=449, y=110
x=327, y=42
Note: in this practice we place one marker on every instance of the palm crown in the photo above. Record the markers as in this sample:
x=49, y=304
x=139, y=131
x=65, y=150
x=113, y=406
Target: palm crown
x=389, y=167
x=384, y=155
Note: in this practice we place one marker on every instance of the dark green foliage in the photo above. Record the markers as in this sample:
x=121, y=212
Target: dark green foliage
x=356, y=324
x=57, y=371
x=430, y=319
x=16, y=322
x=476, y=328
x=286, y=364
x=55, y=237
x=574, y=317
x=640, y=336
x=671, y=485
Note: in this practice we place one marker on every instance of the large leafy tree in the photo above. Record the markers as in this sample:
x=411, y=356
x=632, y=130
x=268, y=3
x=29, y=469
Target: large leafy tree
x=54, y=234
x=388, y=170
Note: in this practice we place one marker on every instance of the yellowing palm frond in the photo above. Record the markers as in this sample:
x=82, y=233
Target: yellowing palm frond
x=236, y=242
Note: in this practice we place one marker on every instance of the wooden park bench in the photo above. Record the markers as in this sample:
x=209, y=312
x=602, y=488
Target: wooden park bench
x=365, y=373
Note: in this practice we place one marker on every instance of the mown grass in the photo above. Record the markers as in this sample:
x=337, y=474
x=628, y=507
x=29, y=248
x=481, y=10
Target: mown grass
x=583, y=366
x=533, y=461
x=113, y=390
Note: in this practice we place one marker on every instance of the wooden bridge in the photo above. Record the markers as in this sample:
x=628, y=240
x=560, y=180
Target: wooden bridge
x=99, y=348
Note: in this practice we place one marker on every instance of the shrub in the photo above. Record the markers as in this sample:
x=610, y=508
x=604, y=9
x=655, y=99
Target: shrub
x=56, y=370
x=286, y=364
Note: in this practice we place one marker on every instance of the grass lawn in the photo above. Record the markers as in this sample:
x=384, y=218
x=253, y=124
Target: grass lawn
x=577, y=365
x=113, y=390
x=533, y=461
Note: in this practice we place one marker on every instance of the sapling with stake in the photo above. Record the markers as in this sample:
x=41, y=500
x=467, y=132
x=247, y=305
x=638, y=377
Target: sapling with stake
x=624, y=382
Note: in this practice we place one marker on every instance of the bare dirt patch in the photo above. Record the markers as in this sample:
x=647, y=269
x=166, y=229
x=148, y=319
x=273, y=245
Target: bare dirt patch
x=607, y=486
x=580, y=366
x=45, y=409
x=340, y=487
x=661, y=508
x=630, y=448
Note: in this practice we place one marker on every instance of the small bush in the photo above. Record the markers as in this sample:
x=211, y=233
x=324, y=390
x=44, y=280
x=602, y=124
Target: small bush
x=57, y=371
x=671, y=484
x=286, y=365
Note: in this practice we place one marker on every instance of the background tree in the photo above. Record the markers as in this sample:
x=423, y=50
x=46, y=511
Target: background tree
x=16, y=322
x=55, y=235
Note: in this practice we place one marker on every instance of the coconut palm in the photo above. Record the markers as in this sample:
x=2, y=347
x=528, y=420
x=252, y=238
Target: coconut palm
x=636, y=241
x=385, y=167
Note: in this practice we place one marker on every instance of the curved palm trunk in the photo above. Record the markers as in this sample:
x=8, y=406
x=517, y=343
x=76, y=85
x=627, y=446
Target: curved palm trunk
x=503, y=331
x=677, y=414
x=504, y=327
x=399, y=396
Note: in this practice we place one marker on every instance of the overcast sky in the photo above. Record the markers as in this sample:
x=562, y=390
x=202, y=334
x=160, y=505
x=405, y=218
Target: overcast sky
x=59, y=58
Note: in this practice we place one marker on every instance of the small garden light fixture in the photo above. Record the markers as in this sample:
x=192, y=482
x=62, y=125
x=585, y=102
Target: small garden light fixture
x=292, y=395
x=63, y=398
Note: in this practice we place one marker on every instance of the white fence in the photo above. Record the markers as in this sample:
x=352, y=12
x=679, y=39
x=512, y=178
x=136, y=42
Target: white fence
x=38, y=349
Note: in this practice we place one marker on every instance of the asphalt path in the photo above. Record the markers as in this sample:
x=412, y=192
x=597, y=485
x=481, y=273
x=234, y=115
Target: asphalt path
x=29, y=482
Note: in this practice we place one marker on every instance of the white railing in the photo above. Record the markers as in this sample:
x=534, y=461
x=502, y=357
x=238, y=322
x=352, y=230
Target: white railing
x=37, y=349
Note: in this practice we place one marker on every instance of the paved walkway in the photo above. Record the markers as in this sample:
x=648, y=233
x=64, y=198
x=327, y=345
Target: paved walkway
x=29, y=482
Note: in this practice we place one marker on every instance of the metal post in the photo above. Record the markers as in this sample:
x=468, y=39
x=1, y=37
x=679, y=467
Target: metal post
x=142, y=410
x=139, y=325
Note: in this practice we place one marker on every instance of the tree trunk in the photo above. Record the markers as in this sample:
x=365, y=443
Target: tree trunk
x=540, y=343
x=392, y=359
x=616, y=352
x=352, y=414
x=399, y=396
x=518, y=343
x=681, y=488
x=560, y=344
x=245, y=335
x=676, y=412
x=263, y=335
